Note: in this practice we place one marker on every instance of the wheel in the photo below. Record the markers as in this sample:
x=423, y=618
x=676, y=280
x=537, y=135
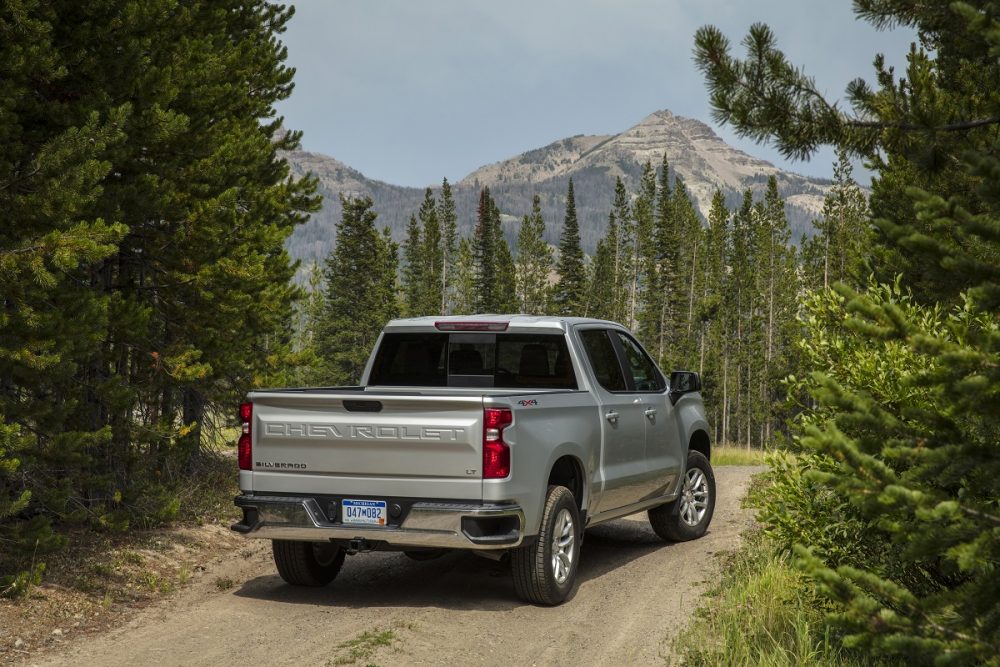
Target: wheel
x=421, y=555
x=687, y=518
x=307, y=563
x=545, y=571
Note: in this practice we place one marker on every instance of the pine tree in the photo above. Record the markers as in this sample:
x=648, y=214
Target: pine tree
x=484, y=249
x=50, y=318
x=778, y=279
x=162, y=222
x=449, y=239
x=646, y=277
x=414, y=273
x=600, y=286
x=465, y=279
x=432, y=281
x=621, y=237
x=714, y=347
x=309, y=314
x=534, y=263
x=740, y=306
x=505, y=290
x=666, y=241
x=389, y=276
x=840, y=250
x=914, y=128
x=905, y=397
x=683, y=229
x=360, y=279
x=569, y=295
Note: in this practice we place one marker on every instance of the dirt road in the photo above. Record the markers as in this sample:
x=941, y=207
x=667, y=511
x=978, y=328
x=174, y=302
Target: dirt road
x=635, y=593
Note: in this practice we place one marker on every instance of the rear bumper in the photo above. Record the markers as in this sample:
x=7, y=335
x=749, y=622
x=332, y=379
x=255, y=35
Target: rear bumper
x=427, y=524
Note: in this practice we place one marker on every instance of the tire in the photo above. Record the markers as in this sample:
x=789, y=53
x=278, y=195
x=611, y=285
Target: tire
x=307, y=563
x=687, y=518
x=545, y=571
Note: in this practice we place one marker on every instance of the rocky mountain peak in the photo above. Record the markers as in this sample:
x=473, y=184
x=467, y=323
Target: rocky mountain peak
x=692, y=149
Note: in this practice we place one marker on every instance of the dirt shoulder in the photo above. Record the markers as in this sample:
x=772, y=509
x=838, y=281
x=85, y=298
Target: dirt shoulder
x=635, y=594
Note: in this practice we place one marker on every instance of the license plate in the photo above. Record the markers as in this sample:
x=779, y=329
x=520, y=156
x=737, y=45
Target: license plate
x=367, y=512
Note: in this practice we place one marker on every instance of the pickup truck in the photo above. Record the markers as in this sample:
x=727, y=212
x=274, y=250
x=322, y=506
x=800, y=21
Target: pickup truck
x=503, y=435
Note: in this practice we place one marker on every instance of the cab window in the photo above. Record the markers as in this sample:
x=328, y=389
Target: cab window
x=645, y=377
x=603, y=359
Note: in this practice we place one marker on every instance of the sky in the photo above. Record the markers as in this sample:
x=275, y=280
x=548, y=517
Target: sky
x=410, y=91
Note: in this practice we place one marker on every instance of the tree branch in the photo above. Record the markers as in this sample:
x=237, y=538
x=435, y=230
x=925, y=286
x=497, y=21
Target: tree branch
x=953, y=127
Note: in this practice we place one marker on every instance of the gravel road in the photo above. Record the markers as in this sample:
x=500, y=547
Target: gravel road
x=635, y=593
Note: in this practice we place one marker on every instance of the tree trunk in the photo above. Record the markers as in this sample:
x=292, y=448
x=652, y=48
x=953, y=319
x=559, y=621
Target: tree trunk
x=193, y=412
x=694, y=272
x=725, y=397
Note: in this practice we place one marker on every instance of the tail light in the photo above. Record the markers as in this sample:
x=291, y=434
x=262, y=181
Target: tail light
x=496, y=452
x=244, y=447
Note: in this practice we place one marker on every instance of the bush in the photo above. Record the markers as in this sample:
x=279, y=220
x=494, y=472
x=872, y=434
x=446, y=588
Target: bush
x=900, y=466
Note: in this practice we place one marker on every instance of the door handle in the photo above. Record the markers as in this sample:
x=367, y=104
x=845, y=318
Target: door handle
x=612, y=417
x=650, y=413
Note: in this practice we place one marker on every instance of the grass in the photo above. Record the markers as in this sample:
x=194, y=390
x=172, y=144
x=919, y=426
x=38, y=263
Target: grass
x=762, y=612
x=730, y=455
x=363, y=646
x=224, y=583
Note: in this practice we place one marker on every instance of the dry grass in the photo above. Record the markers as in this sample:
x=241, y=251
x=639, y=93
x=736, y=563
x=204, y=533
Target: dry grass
x=730, y=455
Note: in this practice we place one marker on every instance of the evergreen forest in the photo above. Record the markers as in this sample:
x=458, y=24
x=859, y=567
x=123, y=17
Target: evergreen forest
x=720, y=297
x=145, y=287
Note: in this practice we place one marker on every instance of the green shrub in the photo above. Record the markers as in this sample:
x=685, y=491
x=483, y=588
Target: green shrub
x=19, y=584
x=894, y=500
x=794, y=508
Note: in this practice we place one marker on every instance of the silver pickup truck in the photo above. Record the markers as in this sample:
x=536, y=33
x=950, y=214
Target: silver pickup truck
x=503, y=435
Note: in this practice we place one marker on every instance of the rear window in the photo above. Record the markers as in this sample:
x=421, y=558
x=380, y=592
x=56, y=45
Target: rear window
x=505, y=361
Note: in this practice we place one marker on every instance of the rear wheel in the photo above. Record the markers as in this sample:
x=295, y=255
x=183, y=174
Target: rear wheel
x=688, y=517
x=545, y=572
x=307, y=563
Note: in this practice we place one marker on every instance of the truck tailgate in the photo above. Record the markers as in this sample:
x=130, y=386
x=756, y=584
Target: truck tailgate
x=368, y=444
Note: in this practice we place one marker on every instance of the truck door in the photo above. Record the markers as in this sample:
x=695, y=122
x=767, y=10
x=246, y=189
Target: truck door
x=663, y=451
x=623, y=425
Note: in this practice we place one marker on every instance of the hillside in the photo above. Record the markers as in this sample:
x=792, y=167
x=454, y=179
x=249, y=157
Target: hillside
x=693, y=151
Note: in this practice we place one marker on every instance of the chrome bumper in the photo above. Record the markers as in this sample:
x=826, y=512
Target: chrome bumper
x=437, y=525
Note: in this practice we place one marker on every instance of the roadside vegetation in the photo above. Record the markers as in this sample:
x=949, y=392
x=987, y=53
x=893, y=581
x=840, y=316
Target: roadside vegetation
x=143, y=280
x=880, y=523
x=101, y=577
x=763, y=612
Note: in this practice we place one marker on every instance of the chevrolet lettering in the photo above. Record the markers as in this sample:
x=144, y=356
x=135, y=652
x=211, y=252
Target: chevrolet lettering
x=502, y=435
x=357, y=431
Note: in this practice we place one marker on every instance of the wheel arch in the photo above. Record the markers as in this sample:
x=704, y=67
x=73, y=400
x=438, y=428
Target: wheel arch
x=700, y=442
x=567, y=470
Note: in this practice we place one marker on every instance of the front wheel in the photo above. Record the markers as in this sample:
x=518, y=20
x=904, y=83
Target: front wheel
x=687, y=518
x=545, y=571
x=307, y=563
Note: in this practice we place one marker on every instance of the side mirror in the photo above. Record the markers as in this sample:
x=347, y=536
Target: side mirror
x=683, y=382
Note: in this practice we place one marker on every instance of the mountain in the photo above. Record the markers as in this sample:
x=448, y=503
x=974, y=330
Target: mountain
x=693, y=150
